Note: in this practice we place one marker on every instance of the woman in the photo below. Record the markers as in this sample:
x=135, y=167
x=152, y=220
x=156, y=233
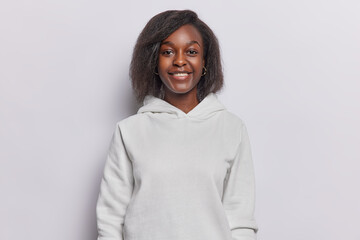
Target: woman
x=181, y=168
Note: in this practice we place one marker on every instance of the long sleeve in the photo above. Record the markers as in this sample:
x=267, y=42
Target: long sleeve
x=115, y=190
x=239, y=192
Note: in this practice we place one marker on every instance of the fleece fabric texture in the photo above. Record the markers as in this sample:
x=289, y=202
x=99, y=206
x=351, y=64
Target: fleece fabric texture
x=176, y=176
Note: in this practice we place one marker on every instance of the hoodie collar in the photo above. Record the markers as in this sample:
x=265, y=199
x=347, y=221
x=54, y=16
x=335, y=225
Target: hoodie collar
x=205, y=109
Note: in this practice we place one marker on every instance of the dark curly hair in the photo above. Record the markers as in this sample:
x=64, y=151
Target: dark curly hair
x=146, y=54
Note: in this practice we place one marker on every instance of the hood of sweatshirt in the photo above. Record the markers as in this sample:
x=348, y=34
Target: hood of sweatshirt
x=205, y=109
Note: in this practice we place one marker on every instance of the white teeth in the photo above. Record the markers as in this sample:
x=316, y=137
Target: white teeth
x=180, y=74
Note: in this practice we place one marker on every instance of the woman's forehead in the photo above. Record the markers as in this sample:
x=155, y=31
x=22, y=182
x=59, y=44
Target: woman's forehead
x=186, y=34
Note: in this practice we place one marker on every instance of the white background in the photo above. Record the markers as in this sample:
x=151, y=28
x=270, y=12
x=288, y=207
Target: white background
x=291, y=71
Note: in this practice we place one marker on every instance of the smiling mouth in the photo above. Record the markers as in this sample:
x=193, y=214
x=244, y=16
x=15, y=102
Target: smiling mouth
x=180, y=74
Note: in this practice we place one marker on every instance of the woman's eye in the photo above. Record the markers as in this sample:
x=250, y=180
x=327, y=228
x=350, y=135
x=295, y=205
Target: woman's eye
x=192, y=52
x=166, y=52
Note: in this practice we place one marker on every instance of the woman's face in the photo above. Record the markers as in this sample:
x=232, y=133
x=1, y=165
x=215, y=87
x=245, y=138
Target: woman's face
x=181, y=60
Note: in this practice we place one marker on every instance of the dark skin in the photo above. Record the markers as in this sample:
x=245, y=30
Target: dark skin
x=181, y=62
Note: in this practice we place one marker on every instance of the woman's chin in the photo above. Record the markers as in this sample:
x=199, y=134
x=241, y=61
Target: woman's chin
x=180, y=89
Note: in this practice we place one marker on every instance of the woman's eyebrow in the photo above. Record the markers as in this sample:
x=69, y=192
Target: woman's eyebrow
x=172, y=44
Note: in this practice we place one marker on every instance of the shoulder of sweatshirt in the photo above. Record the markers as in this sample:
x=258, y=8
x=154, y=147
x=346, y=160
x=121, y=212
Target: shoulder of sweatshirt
x=230, y=119
x=234, y=126
x=132, y=120
x=231, y=128
x=233, y=118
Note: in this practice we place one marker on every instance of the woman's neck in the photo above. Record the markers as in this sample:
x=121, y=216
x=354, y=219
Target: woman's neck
x=183, y=101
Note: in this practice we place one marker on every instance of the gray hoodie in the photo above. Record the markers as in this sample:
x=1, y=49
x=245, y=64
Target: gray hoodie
x=171, y=175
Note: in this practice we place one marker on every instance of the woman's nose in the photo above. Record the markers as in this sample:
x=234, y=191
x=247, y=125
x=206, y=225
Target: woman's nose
x=179, y=60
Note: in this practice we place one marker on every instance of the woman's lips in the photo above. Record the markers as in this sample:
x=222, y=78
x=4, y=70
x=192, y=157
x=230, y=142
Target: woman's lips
x=180, y=75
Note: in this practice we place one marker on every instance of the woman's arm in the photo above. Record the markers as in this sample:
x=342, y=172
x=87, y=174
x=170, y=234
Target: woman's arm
x=115, y=191
x=239, y=192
